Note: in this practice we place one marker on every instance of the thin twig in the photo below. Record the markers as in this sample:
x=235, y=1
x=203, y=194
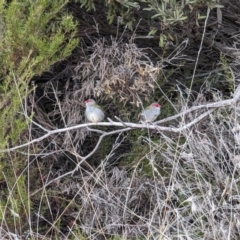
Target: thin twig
x=131, y=126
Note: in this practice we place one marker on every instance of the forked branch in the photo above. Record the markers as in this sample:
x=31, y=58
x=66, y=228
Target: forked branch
x=127, y=126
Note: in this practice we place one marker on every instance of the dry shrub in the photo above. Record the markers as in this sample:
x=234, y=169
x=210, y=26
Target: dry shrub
x=113, y=204
x=119, y=71
x=192, y=194
x=191, y=191
x=114, y=73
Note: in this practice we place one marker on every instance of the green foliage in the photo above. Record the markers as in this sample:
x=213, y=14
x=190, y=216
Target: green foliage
x=205, y=3
x=124, y=9
x=27, y=41
x=14, y=204
x=88, y=4
x=78, y=235
x=34, y=35
x=172, y=12
x=228, y=74
x=28, y=48
x=169, y=12
x=115, y=8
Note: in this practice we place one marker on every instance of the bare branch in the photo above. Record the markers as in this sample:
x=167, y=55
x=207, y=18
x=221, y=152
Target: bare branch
x=98, y=143
x=219, y=104
x=129, y=126
x=83, y=158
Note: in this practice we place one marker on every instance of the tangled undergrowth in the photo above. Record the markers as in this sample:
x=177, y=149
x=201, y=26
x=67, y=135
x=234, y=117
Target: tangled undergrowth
x=141, y=183
x=190, y=191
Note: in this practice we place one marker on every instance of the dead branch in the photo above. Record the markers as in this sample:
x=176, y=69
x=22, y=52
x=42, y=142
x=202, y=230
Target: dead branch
x=127, y=126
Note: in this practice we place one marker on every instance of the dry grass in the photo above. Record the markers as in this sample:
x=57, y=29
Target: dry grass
x=116, y=68
x=190, y=189
x=192, y=192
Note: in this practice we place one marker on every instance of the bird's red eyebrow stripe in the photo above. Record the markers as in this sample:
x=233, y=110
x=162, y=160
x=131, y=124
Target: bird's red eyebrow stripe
x=156, y=105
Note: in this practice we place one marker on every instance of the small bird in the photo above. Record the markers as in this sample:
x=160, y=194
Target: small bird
x=150, y=113
x=93, y=112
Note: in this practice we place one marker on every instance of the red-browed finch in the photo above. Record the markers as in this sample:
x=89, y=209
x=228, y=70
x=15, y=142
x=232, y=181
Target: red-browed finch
x=93, y=112
x=150, y=113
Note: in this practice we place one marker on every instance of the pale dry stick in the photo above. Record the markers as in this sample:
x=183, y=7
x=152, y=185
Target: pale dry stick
x=222, y=103
x=37, y=124
x=131, y=126
x=55, y=180
x=120, y=120
x=97, y=145
x=52, y=225
x=193, y=76
x=62, y=117
x=27, y=208
x=213, y=107
x=83, y=159
x=195, y=108
x=199, y=51
x=177, y=54
x=95, y=130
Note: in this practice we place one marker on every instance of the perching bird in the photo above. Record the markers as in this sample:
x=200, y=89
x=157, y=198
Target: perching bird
x=93, y=112
x=150, y=113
